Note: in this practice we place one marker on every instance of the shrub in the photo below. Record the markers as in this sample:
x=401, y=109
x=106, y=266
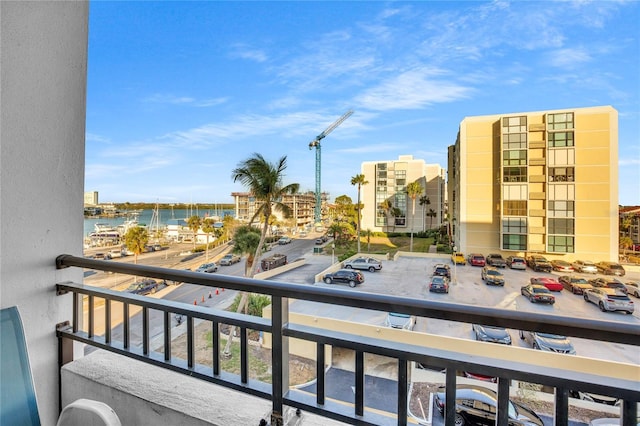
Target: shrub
x=256, y=303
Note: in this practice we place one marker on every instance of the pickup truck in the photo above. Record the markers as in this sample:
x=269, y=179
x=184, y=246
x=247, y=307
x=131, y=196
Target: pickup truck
x=496, y=260
x=539, y=263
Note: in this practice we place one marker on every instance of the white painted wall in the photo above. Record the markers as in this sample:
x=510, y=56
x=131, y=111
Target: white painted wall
x=42, y=126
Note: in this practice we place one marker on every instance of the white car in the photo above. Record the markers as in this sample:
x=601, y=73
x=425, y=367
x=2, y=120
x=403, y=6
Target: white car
x=633, y=288
x=365, y=263
x=609, y=299
x=585, y=266
x=397, y=320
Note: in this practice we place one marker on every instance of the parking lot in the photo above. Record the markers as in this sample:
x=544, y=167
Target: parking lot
x=408, y=277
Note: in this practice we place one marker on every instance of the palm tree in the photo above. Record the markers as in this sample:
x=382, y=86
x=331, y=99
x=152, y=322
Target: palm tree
x=413, y=190
x=207, y=228
x=136, y=240
x=424, y=201
x=358, y=180
x=387, y=208
x=432, y=213
x=194, y=223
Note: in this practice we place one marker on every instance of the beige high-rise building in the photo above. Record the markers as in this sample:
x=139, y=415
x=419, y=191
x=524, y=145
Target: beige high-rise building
x=537, y=182
x=388, y=180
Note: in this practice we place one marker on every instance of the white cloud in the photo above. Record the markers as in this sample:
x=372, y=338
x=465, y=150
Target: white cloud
x=244, y=52
x=569, y=58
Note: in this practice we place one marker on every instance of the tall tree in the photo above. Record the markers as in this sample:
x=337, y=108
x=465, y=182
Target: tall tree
x=424, y=201
x=136, y=240
x=387, y=207
x=413, y=190
x=358, y=180
x=431, y=214
x=207, y=228
x=194, y=223
x=264, y=181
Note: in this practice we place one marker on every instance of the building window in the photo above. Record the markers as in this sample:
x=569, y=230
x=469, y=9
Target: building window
x=514, y=225
x=561, y=174
x=561, y=226
x=514, y=174
x=514, y=207
x=514, y=242
x=560, y=139
x=560, y=121
x=514, y=124
x=514, y=141
x=516, y=157
x=560, y=244
x=561, y=208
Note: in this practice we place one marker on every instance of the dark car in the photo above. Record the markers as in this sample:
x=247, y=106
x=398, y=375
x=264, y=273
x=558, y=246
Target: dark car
x=496, y=260
x=576, y=285
x=539, y=263
x=491, y=275
x=439, y=284
x=537, y=293
x=548, y=342
x=143, y=287
x=609, y=283
x=486, y=333
x=476, y=259
x=477, y=405
x=610, y=268
x=348, y=276
x=442, y=270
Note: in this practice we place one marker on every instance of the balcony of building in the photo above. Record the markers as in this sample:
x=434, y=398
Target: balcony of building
x=143, y=383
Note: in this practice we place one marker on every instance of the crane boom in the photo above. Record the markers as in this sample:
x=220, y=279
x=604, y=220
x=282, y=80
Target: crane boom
x=316, y=144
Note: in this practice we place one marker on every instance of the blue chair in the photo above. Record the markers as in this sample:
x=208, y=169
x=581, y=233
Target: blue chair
x=18, y=404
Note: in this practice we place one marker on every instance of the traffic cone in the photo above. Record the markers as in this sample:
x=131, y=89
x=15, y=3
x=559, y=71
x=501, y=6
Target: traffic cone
x=217, y=292
x=222, y=289
x=209, y=295
x=202, y=298
x=195, y=302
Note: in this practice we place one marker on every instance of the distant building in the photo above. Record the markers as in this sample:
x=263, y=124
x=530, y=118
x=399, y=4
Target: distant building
x=387, y=181
x=301, y=205
x=91, y=198
x=537, y=182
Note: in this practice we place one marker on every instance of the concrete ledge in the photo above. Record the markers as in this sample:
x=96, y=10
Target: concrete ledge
x=280, y=269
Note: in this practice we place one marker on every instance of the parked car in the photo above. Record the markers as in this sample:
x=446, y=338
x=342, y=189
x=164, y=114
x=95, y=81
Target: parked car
x=539, y=263
x=609, y=300
x=207, y=267
x=488, y=333
x=610, y=268
x=347, y=276
x=442, y=270
x=548, y=342
x=633, y=288
x=607, y=421
x=585, y=266
x=143, y=287
x=576, y=285
x=608, y=283
x=102, y=256
x=398, y=320
x=477, y=405
x=561, y=265
x=476, y=259
x=495, y=259
x=319, y=241
x=439, y=284
x=491, y=275
x=551, y=283
x=229, y=259
x=457, y=258
x=370, y=264
x=516, y=262
x=115, y=253
x=284, y=240
x=537, y=293
x=592, y=397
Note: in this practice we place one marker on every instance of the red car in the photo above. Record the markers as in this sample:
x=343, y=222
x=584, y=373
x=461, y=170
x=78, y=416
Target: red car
x=476, y=259
x=550, y=283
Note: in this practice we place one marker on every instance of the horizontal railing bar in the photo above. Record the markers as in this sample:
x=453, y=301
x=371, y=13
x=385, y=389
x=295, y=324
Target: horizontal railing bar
x=195, y=311
x=607, y=331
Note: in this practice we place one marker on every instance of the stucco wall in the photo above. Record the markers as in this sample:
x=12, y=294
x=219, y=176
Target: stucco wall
x=43, y=86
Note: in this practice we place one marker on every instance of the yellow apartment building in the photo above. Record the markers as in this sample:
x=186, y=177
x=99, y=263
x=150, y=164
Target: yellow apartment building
x=536, y=182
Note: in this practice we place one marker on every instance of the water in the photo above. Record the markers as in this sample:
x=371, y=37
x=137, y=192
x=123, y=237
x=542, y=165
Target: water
x=144, y=218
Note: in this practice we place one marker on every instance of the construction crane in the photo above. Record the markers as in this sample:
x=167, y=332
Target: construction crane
x=316, y=144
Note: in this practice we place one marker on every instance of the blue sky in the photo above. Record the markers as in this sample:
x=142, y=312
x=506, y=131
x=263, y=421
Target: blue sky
x=180, y=92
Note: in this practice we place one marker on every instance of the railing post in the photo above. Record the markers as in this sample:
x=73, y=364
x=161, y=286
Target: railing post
x=65, y=356
x=279, y=358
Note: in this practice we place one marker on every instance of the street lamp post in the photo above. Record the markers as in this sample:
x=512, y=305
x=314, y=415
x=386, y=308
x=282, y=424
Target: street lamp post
x=333, y=251
x=455, y=265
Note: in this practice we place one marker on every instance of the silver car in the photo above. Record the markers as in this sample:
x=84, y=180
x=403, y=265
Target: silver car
x=609, y=299
x=548, y=342
x=365, y=263
x=397, y=320
x=632, y=288
x=585, y=266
